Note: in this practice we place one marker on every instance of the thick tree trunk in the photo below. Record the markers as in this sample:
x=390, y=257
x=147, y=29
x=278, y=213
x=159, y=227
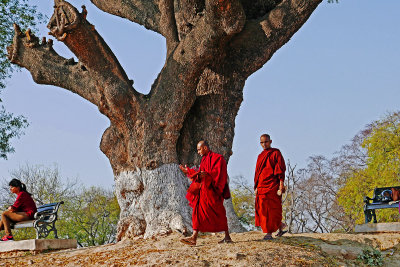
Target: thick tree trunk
x=212, y=47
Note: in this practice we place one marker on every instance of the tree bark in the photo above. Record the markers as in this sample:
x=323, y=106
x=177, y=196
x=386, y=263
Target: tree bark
x=212, y=47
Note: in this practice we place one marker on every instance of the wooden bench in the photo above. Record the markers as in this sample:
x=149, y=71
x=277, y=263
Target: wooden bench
x=44, y=222
x=380, y=200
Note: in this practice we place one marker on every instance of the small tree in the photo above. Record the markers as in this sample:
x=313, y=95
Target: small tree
x=91, y=217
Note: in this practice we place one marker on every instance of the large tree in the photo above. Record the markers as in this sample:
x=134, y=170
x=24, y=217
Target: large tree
x=213, y=46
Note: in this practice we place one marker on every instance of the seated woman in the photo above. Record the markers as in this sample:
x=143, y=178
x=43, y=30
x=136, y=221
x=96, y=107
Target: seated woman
x=23, y=208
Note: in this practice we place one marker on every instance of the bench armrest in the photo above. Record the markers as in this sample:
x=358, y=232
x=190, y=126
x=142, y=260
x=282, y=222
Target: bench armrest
x=47, y=210
x=367, y=200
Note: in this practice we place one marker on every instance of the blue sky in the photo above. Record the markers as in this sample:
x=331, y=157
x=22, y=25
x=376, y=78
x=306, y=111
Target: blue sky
x=339, y=72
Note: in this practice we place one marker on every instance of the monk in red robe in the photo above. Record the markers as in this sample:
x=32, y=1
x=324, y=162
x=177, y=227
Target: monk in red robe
x=269, y=186
x=205, y=194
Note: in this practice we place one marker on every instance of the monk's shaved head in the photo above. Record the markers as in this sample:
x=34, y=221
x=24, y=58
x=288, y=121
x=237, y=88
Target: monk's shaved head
x=203, y=143
x=265, y=141
x=266, y=136
x=202, y=148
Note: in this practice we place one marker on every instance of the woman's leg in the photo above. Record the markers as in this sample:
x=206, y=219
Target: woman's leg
x=8, y=216
x=1, y=225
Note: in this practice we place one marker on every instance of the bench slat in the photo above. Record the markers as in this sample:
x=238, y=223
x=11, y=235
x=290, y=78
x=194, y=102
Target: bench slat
x=40, y=209
x=382, y=205
x=24, y=224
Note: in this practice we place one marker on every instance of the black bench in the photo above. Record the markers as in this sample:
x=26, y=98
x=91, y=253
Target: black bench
x=44, y=221
x=381, y=200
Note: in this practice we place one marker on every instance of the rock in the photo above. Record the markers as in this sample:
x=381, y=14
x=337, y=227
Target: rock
x=240, y=256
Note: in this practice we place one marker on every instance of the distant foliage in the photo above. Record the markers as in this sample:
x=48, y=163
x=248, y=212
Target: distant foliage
x=310, y=203
x=14, y=11
x=89, y=215
x=25, y=15
x=381, y=143
x=10, y=127
x=243, y=201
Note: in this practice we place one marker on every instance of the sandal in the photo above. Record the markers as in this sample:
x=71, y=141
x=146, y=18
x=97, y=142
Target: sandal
x=188, y=242
x=268, y=237
x=281, y=233
x=225, y=241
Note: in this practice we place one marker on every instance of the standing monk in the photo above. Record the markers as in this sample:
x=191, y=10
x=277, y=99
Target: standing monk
x=269, y=187
x=210, y=180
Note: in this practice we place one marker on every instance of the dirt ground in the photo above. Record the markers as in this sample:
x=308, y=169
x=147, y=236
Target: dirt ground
x=248, y=249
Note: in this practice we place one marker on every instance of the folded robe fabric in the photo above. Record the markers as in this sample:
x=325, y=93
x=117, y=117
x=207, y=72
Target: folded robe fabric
x=270, y=169
x=209, y=213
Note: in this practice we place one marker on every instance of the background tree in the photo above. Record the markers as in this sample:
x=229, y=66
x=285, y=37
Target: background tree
x=12, y=11
x=243, y=201
x=213, y=46
x=380, y=142
x=89, y=215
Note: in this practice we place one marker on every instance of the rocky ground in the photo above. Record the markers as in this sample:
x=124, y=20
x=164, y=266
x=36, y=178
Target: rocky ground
x=247, y=250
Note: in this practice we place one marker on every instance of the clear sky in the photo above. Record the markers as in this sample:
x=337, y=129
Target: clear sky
x=339, y=72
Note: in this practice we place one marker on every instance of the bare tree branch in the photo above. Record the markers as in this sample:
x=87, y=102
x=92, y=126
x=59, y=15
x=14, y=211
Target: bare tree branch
x=143, y=12
x=168, y=24
x=268, y=34
x=72, y=28
x=221, y=21
x=47, y=67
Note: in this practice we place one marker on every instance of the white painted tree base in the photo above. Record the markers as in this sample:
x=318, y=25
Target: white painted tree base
x=153, y=202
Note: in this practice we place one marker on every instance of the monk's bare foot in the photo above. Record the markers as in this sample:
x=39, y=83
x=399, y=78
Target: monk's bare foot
x=225, y=240
x=188, y=241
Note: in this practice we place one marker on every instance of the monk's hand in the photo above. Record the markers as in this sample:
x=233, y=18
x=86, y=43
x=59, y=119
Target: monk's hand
x=282, y=188
x=183, y=168
x=255, y=191
x=202, y=174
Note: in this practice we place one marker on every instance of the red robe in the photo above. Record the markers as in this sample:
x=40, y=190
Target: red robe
x=209, y=213
x=270, y=170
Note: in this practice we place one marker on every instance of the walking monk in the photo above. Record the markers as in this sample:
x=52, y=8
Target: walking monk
x=269, y=187
x=205, y=194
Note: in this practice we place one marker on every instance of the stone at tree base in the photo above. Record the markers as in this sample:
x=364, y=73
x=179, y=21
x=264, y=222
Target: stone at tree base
x=37, y=244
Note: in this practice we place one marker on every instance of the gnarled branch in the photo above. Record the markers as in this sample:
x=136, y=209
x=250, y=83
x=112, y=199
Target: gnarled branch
x=143, y=12
x=222, y=20
x=72, y=28
x=47, y=67
x=268, y=34
x=168, y=24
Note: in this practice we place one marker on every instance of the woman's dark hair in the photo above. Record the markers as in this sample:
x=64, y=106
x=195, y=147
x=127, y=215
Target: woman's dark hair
x=18, y=183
